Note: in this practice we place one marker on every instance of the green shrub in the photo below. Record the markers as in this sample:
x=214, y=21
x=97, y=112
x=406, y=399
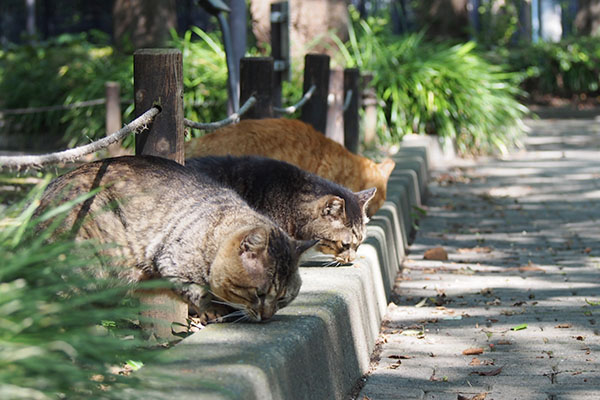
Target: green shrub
x=72, y=68
x=64, y=332
x=563, y=69
x=63, y=70
x=436, y=88
x=204, y=75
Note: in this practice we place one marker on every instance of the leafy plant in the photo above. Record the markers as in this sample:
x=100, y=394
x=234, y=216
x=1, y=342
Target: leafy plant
x=436, y=88
x=64, y=331
x=204, y=75
x=63, y=70
x=564, y=69
x=498, y=21
x=75, y=67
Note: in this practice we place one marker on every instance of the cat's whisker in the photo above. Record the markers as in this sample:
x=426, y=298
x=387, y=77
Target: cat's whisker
x=232, y=314
x=242, y=318
x=225, y=302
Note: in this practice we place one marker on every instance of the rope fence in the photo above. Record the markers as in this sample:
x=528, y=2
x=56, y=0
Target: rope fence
x=26, y=161
x=36, y=110
x=233, y=118
x=258, y=90
x=299, y=104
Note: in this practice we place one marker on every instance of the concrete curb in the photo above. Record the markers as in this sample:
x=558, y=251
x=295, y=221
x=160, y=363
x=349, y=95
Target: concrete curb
x=320, y=345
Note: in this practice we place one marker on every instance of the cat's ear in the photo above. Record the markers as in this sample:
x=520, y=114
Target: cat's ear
x=334, y=207
x=364, y=196
x=386, y=167
x=252, y=247
x=255, y=240
x=303, y=245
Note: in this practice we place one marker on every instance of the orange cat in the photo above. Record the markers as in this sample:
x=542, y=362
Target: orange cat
x=300, y=144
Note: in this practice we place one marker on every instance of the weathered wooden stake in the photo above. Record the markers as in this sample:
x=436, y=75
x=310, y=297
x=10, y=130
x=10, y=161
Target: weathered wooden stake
x=280, y=47
x=113, y=115
x=158, y=80
x=316, y=72
x=369, y=100
x=335, y=105
x=256, y=79
x=351, y=117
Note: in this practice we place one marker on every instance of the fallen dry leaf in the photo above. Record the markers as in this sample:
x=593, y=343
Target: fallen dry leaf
x=395, y=365
x=436, y=253
x=473, y=351
x=526, y=268
x=475, y=250
x=479, y=396
x=563, y=326
x=475, y=361
x=504, y=342
x=398, y=357
x=493, y=372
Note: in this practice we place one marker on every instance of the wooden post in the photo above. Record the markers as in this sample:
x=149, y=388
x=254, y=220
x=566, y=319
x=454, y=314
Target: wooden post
x=316, y=72
x=256, y=79
x=237, y=23
x=113, y=115
x=351, y=117
x=280, y=47
x=369, y=100
x=158, y=80
x=335, y=105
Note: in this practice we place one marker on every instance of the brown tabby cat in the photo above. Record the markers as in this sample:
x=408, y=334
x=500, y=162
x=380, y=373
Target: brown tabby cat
x=300, y=144
x=187, y=229
x=304, y=205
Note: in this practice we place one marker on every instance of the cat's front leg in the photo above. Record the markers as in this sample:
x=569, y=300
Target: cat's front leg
x=203, y=302
x=197, y=296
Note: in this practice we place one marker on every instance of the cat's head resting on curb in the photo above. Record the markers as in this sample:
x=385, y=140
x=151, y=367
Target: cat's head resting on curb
x=256, y=271
x=340, y=226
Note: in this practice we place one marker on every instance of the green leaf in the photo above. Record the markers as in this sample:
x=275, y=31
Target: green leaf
x=135, y=365
x=519, y=327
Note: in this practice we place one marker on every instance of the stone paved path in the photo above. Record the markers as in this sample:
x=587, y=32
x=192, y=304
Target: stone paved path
x=523, y=240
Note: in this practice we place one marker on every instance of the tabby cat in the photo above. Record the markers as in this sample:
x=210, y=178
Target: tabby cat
x=300, y=144
x=304, y=205
x=167, y=223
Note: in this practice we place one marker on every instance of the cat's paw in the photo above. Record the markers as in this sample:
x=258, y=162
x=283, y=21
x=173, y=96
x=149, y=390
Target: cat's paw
x=217, y=313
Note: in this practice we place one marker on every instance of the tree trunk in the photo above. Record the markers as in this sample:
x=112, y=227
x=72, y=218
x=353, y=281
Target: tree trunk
x=587, y=20
x=445, y=19
x=143, y=23
x=311, y=20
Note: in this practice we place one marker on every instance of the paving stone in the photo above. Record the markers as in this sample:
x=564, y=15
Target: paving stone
x=522, y=236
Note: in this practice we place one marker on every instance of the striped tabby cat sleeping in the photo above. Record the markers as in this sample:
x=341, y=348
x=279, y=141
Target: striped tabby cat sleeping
x=162, y=221
x=300, y=144
x=304, y=205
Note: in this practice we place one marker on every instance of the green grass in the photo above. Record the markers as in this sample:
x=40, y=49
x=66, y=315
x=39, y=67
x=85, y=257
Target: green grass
x=438, y=88
x=64, y=332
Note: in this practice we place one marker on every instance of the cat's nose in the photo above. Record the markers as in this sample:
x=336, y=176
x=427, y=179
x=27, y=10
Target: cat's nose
x=267, y=312
x=348, y=256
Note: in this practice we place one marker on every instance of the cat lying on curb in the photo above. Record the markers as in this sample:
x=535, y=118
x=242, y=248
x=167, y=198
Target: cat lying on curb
x=304, y=205
x=166, y=223
x=300, y=144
